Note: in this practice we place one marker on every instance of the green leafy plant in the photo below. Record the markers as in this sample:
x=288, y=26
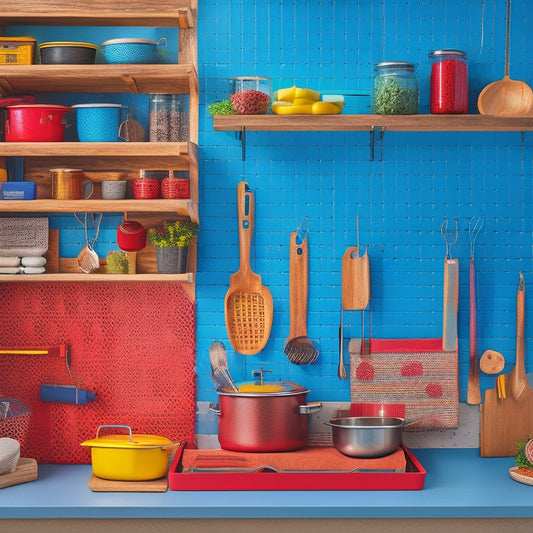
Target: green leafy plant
x=222, y=107
x=172, y=233
x=116, y=262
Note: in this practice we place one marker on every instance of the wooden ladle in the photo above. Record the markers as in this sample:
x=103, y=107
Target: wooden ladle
x=506, y=97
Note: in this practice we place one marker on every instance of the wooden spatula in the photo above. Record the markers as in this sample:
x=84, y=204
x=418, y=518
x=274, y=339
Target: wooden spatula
x=248, y=303
x=506, y=420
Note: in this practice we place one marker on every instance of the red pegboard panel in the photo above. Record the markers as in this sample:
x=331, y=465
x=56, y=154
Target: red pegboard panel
x=132, y=344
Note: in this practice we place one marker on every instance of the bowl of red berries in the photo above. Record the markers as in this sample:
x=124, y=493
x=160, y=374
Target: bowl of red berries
x=250, y=95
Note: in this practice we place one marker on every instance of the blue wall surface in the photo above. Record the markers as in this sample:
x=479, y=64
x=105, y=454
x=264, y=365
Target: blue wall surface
x=400, y=199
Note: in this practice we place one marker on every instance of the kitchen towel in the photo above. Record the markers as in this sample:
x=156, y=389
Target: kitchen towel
x=416, y=373
x=307, y=459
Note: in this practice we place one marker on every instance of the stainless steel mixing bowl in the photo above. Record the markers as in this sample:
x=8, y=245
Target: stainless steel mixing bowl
x=366, y=436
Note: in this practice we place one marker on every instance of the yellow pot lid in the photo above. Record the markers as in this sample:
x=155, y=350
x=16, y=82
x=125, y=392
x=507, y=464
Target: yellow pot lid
x=68, y=43
x=25, y=39
x=123, y=441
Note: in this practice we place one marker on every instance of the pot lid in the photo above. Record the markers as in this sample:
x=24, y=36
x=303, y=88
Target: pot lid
x=97, y=105
x=68, y=43
x=52, y=107
x=123, y=441
x=265, y=389
x=132, y=227
x=128, y=40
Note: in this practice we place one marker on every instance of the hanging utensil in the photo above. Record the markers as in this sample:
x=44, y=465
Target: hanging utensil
x=505, y=421
x=355, y=285
x=88, y=260
x=506, y=97
x=299, y=349
x=248, y=303
x=451, y=288
x=473, y=395
x=491, y=362
x=219, y=367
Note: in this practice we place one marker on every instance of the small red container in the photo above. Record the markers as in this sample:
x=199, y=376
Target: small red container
x=175, y=188
x=146, y=188
x=449, y=82
x=35, y=123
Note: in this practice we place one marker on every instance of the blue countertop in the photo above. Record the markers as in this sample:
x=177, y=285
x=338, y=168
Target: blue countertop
x=459, y=484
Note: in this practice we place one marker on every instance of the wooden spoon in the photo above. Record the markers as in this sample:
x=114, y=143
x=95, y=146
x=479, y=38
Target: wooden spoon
x=491, y=362
x=506, y=97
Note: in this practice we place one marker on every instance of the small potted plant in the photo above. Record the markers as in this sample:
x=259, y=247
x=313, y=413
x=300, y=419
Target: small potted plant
x=117, y=262
x=171, y=239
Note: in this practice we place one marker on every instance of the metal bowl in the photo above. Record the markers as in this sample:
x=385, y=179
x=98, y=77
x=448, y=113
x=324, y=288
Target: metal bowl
x=366, y=436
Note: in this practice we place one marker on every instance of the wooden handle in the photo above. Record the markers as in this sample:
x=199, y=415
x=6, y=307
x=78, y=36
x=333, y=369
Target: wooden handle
x=451, y=297
x=246, y=212
x=473, y=394
x=518, y=374
x=298, y=274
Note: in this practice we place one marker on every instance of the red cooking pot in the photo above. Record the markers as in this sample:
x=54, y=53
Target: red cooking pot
x=131, y=236
x=35, y=123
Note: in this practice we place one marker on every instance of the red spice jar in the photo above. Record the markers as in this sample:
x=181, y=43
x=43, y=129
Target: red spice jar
x=449, y=82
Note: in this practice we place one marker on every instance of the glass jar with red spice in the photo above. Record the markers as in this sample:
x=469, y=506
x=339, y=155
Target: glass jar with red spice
x=449, y=82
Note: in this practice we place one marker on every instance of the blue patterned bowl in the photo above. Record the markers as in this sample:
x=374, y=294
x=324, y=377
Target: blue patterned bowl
x=97, y=122
x=131, y=50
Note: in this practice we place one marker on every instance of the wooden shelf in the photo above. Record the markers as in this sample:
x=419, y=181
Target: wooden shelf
x=162, y=13
x=136, y=79
x=181, y=207
x=368, y=122
x=68, y=277
x=185, y=150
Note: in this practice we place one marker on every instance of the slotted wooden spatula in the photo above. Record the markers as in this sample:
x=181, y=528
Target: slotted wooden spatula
x=248, y=303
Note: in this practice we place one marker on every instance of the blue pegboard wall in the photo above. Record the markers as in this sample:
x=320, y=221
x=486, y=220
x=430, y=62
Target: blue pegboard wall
x=400, y=200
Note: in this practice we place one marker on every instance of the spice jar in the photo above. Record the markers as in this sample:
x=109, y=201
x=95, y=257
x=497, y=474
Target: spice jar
x=449, y=82
x=395, y=89
x=250, y=95
x=168, y=118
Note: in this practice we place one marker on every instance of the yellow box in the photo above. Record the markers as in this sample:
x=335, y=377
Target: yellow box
x=17, y=50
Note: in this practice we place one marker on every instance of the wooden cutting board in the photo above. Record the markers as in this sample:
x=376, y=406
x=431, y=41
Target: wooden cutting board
x=97, y=484
x=506, y=420
x=355, y=279
x=26, y=470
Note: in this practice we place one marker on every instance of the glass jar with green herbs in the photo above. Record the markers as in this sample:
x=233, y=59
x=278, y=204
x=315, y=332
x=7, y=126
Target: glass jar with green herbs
x=395, y=89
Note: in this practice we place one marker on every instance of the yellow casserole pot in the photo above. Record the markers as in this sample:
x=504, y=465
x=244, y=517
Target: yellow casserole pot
x=130, y=457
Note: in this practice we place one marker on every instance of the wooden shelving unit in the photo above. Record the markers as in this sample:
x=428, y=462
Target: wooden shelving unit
x=368, y=122
x=179, y=78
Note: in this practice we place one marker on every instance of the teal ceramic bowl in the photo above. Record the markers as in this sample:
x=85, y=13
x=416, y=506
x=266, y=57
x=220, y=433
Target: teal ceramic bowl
x=132, y=51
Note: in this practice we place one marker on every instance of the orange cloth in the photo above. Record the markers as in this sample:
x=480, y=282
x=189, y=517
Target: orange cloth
x=307, y=459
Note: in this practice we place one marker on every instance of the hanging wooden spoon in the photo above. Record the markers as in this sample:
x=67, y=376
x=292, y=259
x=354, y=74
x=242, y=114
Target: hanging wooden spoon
x=506, y=97
x=491, y=362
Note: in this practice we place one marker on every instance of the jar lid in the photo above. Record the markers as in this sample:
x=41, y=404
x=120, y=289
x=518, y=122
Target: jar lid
x=404, y=65
x=436, y=53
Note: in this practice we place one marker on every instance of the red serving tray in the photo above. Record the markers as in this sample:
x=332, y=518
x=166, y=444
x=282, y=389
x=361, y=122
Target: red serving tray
x=413, y=479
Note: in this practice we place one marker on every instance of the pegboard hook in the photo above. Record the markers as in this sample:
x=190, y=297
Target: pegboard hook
x=450, y=237
x=379, y=139
x=242, y=138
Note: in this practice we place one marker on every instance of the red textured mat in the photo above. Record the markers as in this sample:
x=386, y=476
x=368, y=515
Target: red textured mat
x=132, y=344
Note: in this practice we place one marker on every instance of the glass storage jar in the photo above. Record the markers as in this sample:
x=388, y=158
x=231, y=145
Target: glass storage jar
x=168, y=118
x=449, y=82
x=395, y=89
x=250, y=95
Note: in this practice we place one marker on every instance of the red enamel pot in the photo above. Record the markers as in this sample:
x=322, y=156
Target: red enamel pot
x=131, y=236
x=35, y=123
